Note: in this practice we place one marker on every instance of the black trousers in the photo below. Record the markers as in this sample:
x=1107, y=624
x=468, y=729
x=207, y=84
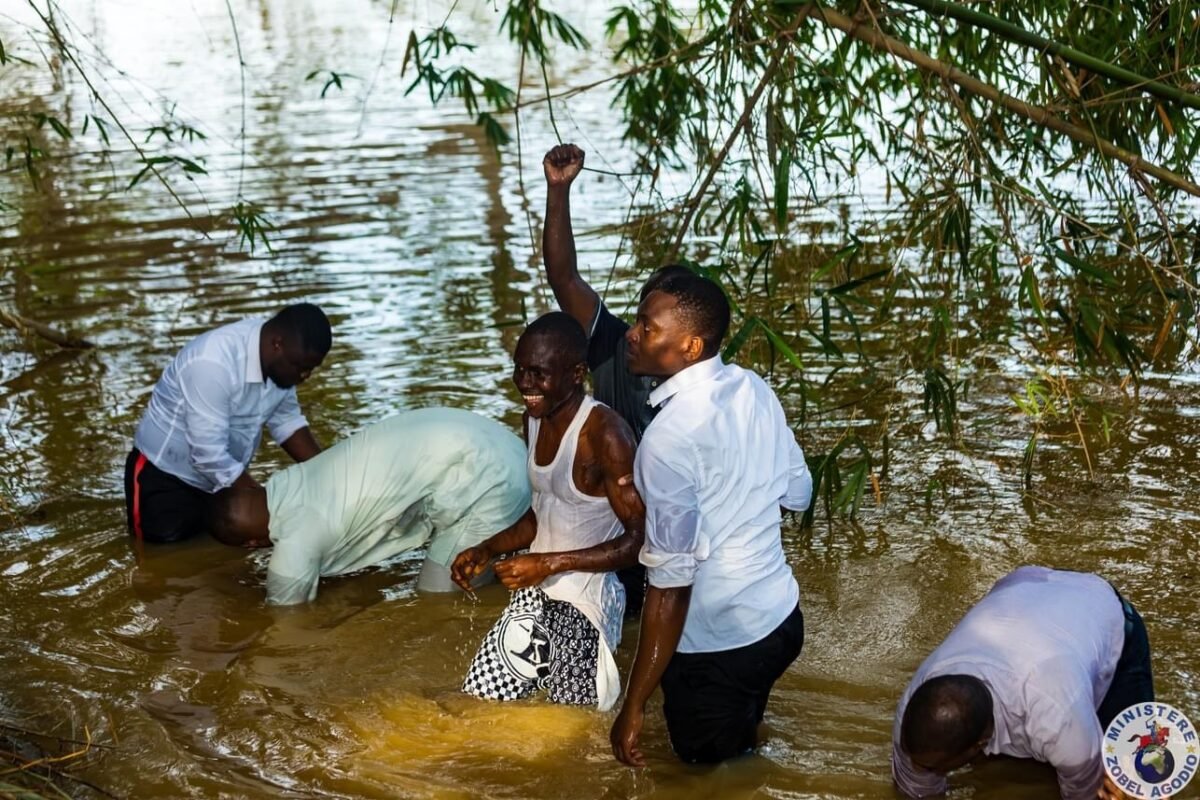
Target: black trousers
x=160, y=507
x=1133, y=680
x=713, y=702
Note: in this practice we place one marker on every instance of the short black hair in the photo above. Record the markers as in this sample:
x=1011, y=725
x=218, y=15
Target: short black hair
x=565, y=331
x=661, y=274
x=946, y=715
x=702, y=306
x=308, y=323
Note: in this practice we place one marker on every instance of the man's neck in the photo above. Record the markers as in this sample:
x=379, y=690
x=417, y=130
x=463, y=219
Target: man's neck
x=559, y=418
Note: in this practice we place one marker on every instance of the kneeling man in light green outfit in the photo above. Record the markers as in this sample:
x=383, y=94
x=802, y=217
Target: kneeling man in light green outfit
x=439, y=475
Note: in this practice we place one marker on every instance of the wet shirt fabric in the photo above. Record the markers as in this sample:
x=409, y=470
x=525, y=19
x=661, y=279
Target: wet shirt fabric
x=1046, y=643
x=439, y=475
x=612, y=382
x=207, y=411
x=713, y=469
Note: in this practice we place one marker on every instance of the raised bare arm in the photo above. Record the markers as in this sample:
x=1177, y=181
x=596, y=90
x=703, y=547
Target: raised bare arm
x=574, y=295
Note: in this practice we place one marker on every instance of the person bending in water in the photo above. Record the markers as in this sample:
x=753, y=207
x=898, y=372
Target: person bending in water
x=564, y=617
x=442, y=475
x=722, y=618
x=206, y=416
x=1036, y=669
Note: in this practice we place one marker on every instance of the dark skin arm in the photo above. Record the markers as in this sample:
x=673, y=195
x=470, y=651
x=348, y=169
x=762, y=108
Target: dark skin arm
x=244, y=481
x=614, y=446
x=662, y=625
x=574, y=295
x=471, y=563
x=301, y=445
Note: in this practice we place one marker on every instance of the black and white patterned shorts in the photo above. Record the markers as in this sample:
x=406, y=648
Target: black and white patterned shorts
x=538, y=643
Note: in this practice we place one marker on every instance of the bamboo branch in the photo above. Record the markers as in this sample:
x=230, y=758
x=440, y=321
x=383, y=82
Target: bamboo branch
x=693, y=202
x=1016, y=33
x=1038, y=114
x=25, y=326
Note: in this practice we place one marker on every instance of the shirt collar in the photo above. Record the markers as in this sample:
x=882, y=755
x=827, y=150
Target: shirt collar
x=697, y=373
x=253, y=358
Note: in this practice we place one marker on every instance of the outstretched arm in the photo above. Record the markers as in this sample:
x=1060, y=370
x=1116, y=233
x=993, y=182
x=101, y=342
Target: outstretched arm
x=662, y=625
x=574, y=295
x=471, y=562
x=613, y=444
x=301, y=445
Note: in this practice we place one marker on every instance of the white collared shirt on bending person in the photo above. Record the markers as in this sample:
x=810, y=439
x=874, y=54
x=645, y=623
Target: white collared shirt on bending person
x=207, y=411
x=713, y=468
x=1046, y=644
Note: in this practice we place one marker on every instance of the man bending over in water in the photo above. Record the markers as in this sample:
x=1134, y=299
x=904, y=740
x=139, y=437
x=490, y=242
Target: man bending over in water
x=442, y=475
x=564, y=618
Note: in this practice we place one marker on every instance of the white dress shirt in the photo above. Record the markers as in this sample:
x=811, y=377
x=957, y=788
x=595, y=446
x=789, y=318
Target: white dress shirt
x=1046, y=644
x=207, y=411
x=442, y=475
x=713, y=469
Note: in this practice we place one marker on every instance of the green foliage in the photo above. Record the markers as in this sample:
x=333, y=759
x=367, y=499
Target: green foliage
x=334, y=79
x=1008, y=232
x=252, y=224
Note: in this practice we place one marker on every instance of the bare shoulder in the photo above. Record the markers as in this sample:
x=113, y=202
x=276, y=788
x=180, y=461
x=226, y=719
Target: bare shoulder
x=608, y=432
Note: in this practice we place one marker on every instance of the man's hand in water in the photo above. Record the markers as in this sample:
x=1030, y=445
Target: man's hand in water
x=469, y=564
x=519, y=572
x=624, y=736
x=562, y=164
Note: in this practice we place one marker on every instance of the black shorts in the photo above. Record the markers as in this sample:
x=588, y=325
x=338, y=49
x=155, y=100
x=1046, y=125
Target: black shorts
x=1133, y=679
x=160, y=507
x=713, y=702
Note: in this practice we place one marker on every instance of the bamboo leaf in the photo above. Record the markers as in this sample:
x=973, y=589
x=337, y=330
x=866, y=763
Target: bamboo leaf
x=782, y=175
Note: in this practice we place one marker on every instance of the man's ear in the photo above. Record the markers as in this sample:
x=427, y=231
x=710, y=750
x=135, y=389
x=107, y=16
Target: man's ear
x=693, y=349
x=580, y=373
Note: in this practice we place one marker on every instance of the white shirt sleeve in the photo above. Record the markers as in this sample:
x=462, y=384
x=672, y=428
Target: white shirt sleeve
x=292, y=574
x=799, y=489
x=208, y=389
x=1068, y=737
x=674, y=546
x=911, y=780
x=286, y=419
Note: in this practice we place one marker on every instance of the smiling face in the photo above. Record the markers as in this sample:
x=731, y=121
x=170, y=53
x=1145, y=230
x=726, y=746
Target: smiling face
x=545, y=375
x=660, y=344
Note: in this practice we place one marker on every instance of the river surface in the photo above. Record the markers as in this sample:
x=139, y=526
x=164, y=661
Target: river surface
x=400, y=221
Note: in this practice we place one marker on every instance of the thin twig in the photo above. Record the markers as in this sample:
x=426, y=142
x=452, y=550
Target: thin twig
x=24, y=326
x=237, y=41
x=693, y=202
x=52, y=27
x=387, y=41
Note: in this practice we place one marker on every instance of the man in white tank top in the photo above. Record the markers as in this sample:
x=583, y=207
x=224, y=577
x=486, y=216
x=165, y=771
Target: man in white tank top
x=564, y=618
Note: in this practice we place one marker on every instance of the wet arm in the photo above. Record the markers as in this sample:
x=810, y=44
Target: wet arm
x=574, y=295
x=301, y=445
x=663, y=617
x=517, y=536
x=615, y=447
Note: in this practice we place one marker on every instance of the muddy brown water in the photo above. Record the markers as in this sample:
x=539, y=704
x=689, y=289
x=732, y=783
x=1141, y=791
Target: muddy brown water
x=400, y=222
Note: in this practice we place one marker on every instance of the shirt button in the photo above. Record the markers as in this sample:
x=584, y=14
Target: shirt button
x=653, y=384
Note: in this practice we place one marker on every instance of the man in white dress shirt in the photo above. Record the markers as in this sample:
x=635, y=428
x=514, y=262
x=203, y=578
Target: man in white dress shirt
x=445, y=476
x=1036, y=669
x=722, y=620
x=206, y=416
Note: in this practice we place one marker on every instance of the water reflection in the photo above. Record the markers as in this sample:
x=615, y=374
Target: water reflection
x=414, y=237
